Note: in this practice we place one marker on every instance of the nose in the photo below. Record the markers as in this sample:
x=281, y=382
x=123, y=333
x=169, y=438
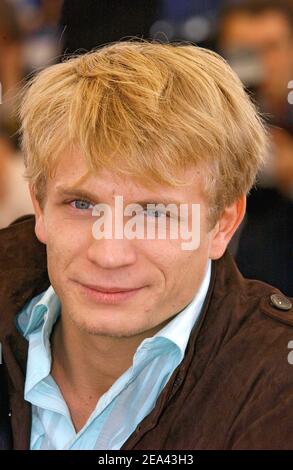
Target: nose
x=112, y=253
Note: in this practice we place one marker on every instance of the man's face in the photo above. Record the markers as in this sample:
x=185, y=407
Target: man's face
x=162, y=276
x=270, y=35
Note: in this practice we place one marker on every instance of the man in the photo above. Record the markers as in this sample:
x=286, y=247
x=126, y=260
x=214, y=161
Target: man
x=135, y=341
x=258, y=37
x=264, y=28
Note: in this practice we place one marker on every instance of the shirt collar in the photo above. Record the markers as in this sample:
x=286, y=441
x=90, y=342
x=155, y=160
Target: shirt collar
x=41, y=309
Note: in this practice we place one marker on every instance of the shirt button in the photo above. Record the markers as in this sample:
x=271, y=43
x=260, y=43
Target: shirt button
x=280, y=302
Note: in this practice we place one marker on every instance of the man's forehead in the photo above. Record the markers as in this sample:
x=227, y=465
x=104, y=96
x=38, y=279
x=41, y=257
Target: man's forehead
x=107, y=184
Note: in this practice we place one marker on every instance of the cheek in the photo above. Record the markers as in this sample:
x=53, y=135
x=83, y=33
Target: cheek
x=64, y=246
x=183, y=275
x=178, y=267
x=189, y=265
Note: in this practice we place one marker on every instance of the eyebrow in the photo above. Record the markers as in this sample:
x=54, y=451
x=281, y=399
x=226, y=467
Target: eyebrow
x=74, y=192
x=84, y=194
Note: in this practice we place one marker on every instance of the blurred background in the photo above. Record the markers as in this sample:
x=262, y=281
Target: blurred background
x=255, y=36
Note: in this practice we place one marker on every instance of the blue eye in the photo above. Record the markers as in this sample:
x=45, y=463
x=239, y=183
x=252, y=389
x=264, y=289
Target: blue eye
x=81, y=204
x=154, y=213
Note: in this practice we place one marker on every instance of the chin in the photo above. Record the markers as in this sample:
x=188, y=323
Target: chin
x=109, y=327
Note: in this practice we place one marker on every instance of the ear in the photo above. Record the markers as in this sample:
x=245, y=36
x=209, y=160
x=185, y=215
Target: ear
x=40, y=229
x=226, y=226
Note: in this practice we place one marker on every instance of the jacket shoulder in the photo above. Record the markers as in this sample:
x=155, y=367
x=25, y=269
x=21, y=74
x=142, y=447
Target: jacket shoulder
x=21, y=228
x=19, y=246
x=278, y=307
x=23, y=261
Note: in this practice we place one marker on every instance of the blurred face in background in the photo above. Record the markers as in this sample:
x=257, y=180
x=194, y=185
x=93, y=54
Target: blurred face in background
x=270, y=35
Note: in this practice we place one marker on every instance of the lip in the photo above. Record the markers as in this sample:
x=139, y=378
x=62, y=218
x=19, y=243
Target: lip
x=107, y=290
x=113, y=295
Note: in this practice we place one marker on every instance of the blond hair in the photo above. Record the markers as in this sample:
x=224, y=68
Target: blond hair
x=146, y=110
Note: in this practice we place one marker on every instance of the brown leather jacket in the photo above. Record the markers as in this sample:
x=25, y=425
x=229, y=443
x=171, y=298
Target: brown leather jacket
x=233, y=390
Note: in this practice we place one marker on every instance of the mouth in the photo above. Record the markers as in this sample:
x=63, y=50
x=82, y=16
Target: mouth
x=108, y=295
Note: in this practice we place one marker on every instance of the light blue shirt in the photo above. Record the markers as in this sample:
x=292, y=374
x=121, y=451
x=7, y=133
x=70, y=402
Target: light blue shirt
x=125, y=404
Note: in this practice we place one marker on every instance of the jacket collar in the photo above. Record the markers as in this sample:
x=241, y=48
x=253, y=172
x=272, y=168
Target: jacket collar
x=23, y=275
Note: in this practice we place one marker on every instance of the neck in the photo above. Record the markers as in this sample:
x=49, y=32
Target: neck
x=90, y=364
x=85, y=366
